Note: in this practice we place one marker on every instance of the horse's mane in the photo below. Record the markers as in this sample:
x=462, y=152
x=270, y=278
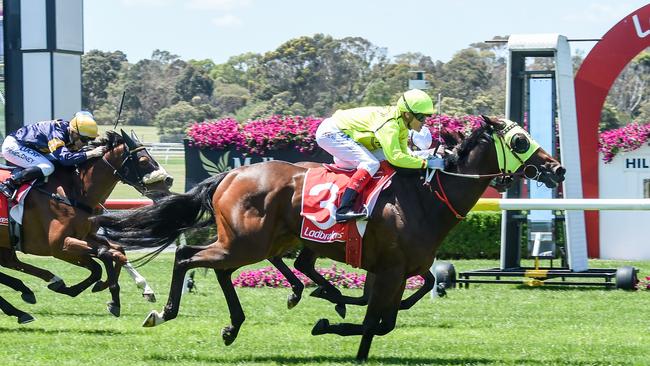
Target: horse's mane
x=111, y=139
x=461, y=149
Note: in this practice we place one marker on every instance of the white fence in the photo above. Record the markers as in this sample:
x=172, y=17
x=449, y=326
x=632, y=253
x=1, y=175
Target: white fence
x=165, y=150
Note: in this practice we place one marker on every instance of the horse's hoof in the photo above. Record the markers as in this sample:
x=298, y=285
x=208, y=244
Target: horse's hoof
x=292, y=301
x=99, y=285
x=149, y=297
x=229, y=334
x=28, y=297
x=340, y=309
x=25, y=318
x=56, y=286
x=320, y=327
x=113, y=309
x=153, y=319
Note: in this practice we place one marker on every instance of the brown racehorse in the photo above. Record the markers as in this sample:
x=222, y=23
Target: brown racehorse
x=56, y=216
x=257, y=212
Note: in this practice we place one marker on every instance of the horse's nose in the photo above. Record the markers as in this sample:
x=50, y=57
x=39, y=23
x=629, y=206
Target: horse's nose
x=559, y=171
x=169, y=181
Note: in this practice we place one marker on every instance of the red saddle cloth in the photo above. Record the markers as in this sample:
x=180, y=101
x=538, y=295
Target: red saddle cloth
x=321, y=196
x=4, y=204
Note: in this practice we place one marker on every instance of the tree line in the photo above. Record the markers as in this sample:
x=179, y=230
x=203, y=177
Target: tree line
x=315, y=75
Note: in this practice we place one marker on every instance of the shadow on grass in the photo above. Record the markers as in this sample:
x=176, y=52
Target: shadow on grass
x=391, y=360
x=28, y=329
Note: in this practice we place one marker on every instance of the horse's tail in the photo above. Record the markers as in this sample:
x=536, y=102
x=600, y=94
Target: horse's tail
x=163, y=222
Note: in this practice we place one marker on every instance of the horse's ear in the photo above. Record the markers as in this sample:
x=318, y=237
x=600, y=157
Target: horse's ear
x=493, y=122
x=128, y=141
x=135, y=138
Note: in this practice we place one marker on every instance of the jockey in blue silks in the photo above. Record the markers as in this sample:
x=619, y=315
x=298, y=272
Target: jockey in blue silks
x=35, y=146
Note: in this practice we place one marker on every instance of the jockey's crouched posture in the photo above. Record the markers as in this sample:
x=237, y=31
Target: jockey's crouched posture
x=359, y=138
x=35, y=146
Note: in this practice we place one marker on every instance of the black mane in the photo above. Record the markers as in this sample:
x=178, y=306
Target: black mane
x=111, y=140
x=462, y=150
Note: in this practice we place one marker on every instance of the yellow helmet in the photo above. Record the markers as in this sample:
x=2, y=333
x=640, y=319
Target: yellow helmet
x=415, y=101
x=84, y=124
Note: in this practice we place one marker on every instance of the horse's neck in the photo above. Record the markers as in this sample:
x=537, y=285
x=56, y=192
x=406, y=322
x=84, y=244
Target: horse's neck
x=463, y=193
x=98, y=182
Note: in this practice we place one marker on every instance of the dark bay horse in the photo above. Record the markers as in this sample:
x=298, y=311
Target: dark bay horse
x=56, y=217
x=257, y=212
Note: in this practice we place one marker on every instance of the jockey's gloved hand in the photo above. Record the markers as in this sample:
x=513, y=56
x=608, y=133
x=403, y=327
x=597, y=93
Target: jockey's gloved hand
x=96, y=152
x=435, y=163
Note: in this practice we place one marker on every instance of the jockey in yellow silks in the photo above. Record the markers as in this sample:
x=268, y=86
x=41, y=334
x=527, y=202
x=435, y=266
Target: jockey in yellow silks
x=360, y=138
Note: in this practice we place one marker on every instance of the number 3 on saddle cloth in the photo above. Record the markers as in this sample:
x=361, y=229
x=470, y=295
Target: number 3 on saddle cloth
x=14, y=221
x=321, y=195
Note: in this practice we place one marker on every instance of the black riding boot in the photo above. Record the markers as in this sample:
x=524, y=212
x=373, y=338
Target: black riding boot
x=345, y=211
x=9, y=187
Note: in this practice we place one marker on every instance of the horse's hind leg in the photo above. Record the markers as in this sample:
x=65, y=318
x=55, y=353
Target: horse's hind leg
x=181, y=266
x=296, y=285
x=237, y=317
x=26, y=293
x=10, y=310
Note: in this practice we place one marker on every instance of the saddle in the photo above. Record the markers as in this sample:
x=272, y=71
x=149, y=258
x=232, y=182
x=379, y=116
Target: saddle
x=321, y=196
x=11, y=211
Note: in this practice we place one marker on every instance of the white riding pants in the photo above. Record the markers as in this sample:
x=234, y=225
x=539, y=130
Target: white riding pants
x=25, y=157
x=347, y=153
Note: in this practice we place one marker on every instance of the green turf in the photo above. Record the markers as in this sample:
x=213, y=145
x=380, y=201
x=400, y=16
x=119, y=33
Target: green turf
x=483, y=325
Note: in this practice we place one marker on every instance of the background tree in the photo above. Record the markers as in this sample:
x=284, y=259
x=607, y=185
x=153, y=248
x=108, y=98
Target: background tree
x=98, y=70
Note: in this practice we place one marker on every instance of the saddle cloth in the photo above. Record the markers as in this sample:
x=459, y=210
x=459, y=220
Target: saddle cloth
x=18, y=206
x=321, y=196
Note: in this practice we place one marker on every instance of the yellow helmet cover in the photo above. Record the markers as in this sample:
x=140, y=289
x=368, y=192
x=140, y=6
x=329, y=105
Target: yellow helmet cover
x=84, y=124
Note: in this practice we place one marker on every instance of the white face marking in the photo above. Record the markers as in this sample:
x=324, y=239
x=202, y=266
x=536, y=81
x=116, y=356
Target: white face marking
x=156, y=176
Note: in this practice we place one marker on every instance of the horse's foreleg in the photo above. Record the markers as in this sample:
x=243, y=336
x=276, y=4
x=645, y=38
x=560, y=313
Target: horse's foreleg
x=26, y=293
x=9, y=259
x=306, y=263
x=10, y=310
x=141, y=282
x=237, y=317
x=79, y=253
x=296, y=285
x=429, y=282
x=381, y=313
x=113, y=306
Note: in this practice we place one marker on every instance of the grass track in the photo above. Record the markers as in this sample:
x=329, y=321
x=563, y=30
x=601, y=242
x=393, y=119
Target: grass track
x=485, y=325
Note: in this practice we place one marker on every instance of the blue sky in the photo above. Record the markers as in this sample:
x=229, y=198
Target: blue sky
x=219, y=29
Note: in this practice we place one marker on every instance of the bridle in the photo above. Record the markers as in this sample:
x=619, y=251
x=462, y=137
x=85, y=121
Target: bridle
x=129, y=163
x=508, y=171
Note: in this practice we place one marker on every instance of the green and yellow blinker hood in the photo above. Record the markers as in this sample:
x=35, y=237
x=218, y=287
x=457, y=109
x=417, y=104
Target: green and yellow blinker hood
x=519, y=146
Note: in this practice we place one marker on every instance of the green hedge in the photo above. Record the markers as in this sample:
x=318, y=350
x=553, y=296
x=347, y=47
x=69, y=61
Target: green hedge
x=476, y=237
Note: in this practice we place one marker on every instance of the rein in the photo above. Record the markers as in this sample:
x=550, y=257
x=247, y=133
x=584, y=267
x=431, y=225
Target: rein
x=503, y=175
x=127, y=155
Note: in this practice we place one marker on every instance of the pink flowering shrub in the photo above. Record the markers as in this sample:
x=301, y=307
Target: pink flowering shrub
x=271, y=277
x=256, y=137
x=280, y=132
x=627, y=138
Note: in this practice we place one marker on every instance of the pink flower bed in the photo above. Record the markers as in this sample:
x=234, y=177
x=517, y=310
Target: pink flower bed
x=627, y=138
x=256, y=137
x=271, y=277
